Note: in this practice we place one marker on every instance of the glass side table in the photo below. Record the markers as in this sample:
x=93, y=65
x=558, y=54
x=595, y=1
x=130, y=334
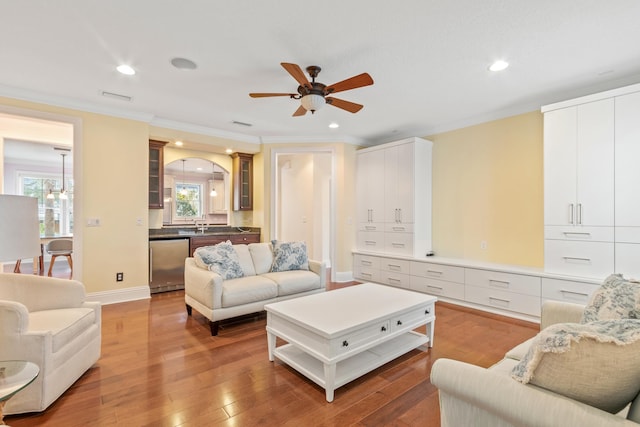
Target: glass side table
x=14, y=376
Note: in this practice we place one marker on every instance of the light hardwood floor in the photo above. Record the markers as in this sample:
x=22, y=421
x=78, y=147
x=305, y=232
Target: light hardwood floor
x=160, y=367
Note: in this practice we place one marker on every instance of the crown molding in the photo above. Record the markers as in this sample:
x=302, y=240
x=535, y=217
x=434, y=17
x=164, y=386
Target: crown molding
x=345, y=139
x=203, y=130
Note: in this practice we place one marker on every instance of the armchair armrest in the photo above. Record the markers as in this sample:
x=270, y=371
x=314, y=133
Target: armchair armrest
x=42, y=293
x=471, y=395
x=560, y=312
x=14, y=318
x=320, y=268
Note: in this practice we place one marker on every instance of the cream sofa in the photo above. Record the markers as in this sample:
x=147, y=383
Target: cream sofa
x=474, y=396
x=47, y=321
x=219, y=299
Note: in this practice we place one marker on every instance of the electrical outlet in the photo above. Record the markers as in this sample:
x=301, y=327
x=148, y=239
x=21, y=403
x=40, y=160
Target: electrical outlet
x=119, y=277
x=483, y=245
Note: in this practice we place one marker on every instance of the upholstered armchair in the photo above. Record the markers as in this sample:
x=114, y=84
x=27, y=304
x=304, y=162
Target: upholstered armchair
x=47, y=321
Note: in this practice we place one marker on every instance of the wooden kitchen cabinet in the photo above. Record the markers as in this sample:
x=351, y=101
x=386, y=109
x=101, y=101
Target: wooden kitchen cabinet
x=156, y=174
x=242, y=181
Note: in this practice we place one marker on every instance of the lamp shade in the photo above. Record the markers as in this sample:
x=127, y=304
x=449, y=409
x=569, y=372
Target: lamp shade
x=312, y=102
x=19, y=228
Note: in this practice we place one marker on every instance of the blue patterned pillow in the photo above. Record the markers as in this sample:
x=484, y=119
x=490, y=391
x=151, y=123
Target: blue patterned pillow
x=616, y=298
x=221, y=259
x=289, y=256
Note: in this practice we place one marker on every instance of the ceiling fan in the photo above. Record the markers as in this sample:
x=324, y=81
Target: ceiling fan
x=313, y=95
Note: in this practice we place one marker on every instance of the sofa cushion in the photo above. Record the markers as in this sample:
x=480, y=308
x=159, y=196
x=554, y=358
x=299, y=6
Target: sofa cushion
x=262, y=256
x=247, y=290
x=65, y=324
x=616, y=298
x=289, y=256
x=295, y=281
x=245, y=260
x=221, y=259
x=595, y=363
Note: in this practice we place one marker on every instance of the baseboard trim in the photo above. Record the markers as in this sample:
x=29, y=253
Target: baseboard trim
x=344, y=276
x=120, y=295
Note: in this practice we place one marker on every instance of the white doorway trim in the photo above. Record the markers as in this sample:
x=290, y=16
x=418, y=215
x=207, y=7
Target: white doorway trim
x=78, y=189
x=281, y=151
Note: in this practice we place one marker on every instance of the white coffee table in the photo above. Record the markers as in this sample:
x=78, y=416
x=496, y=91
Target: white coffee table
x=337, y=336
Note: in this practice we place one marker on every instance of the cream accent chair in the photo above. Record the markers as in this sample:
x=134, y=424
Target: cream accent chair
x=475, y=396
x=47, y=321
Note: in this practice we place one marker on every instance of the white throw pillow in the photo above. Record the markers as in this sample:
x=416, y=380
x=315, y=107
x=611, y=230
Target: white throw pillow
x=289, y=256
x=595, y=363
x=221, y=259
x=616, y=298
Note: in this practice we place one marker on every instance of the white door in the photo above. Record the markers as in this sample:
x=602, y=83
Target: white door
x=595, y=157
x=370, y=186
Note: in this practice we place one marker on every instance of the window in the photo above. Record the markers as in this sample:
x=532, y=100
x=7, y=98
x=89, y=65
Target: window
x=55, y=215
x=189, y=200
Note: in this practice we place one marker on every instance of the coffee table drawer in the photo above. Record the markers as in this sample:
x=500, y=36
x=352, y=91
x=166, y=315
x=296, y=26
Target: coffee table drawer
x=414, y=317
x=352, y=341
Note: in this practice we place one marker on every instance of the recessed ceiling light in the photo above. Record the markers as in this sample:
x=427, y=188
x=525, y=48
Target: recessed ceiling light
x=179, y=143
x=126, y=70
x=184, y=64
x=499, y=65
x=334, y=125
x=229, y=151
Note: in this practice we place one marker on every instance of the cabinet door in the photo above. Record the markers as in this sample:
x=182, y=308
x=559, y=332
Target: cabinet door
x=156, y=174
x=627, y=153
x=560, y=144
x=370, y=186
x=595, y=171
x=398, y=183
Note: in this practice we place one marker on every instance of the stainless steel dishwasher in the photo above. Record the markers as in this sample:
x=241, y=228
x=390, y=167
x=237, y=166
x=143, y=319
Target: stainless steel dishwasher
x=166, y=264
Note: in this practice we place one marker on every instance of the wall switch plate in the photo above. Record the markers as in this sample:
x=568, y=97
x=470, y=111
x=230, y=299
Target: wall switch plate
x=119, y=277
x=93, y=222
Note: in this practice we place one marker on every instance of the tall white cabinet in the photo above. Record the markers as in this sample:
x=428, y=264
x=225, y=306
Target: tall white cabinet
x=591, y=150
x=393, y=190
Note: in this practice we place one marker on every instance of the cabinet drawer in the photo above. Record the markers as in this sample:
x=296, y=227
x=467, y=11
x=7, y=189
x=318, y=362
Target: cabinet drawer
x=567, y=290
x=366, y=261
x=395, y=265
x=589, y=234
x=371, y=226
x=627, y=234
x=367, y=274
x=398, y=280
x=519, y=283
x=413, y=318
x=244, y=238
x=200, y=241
x=438, y=287
x=437, y=271
x=356, y=339
x=398, y=227
x=370, y=240
x=519, y=303
x=583, y=259
x=398, y=243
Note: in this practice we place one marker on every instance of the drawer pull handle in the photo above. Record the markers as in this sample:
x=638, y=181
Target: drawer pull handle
x=398, y=228
x=399, y=323
x=383, y=329
x=395, y=266
x=397, y=245
x=582, y=294
x=366, y=274
x=370, y=227
x=370, y=242
x=434, y=287
x=434, y=272
x=363, y=262
x=427, y=311
x=570, y=258
x=345, y=343
x=506, y=301
x=393, y=279
x=499, y=283
x=575, y=233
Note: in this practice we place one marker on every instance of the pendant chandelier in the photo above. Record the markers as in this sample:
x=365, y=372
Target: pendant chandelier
x=213, y=192
x=63, y=194
x=184, y=191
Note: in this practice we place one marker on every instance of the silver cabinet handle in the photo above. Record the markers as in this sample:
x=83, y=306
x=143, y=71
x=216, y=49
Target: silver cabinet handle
x=398, y=228
x=575, y=233
x=439, y=273
x=370, y=242
x=571, y=213
x=365, y=262
x=579, y=213
x=506, y=301
x=370, y=227
x=400, y=215
x=393, y=279
x=393, y=266
x=397, y=245
x=567, y=258
x=435, y=288
x=582, y=294
x=499, y=283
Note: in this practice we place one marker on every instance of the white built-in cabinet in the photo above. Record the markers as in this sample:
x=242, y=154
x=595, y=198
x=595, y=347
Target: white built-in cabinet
x=591, y=176
x=393, y=192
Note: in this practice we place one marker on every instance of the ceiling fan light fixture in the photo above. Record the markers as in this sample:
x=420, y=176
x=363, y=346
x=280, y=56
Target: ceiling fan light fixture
x=312, y=102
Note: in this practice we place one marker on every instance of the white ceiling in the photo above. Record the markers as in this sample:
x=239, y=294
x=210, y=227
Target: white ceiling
x=428, y=59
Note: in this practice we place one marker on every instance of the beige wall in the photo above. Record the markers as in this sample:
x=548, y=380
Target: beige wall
x=488, y=186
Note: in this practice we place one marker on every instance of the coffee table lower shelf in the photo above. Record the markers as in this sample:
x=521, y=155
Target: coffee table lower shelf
x=350, y=368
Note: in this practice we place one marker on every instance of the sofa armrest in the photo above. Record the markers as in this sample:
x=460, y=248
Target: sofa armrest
x=471, y=395
x=560, y=312
x=14, y=319
x=320, y=268
x=202, y=285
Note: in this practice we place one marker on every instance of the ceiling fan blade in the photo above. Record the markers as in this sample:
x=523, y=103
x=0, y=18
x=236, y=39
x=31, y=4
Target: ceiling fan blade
x=354, y=82
x=301, y=111
x=264, y=95
x=351, y=107
x=297, y=73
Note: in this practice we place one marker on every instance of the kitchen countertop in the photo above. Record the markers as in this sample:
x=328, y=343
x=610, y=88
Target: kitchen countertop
x=187, y=232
